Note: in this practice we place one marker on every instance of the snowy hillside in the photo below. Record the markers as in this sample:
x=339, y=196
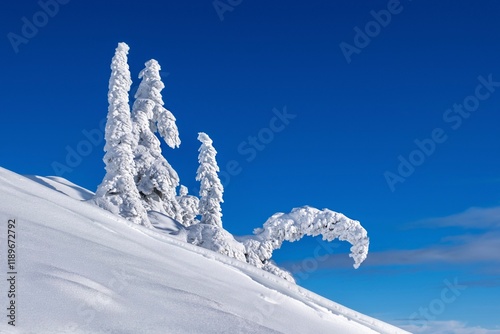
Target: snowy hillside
x=81, y=269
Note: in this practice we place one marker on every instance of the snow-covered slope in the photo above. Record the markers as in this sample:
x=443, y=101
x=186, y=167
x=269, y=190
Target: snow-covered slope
x=81, y=269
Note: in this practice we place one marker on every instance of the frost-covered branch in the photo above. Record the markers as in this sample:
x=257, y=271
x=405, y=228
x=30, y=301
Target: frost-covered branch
x=306, y=221
x=189, y=205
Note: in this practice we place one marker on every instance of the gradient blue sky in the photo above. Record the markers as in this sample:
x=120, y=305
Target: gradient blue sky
x=353, y=121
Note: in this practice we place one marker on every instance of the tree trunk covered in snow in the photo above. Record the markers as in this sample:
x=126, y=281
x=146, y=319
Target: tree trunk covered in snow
x=117, y=192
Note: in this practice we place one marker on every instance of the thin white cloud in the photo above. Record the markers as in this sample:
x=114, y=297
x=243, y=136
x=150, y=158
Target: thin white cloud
x=458, y=249
x=473, y=218
x=480, y=246
x=462, y=249
x=448, y=327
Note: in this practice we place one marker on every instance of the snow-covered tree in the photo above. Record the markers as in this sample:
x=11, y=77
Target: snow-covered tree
x=211, y=189
x=117, y=192
x=305, y=221
x=209, y=233
x=155, y=178
x=217, y=239
x=189, y=205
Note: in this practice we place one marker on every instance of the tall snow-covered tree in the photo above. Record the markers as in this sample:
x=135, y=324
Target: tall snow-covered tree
x=156, y=179
x=117, y=192
x=211, y=189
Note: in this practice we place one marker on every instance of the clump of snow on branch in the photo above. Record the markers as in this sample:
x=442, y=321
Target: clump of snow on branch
x=272, y=268
x=306, y=221
x=117, y=192
x=189, y=205
x=164, y=121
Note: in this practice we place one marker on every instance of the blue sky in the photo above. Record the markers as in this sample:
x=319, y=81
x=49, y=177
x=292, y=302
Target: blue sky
x=357, y=105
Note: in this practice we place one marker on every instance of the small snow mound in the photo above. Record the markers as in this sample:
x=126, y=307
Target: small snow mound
x=216, y=239
x=167, y=225
x=63, y=186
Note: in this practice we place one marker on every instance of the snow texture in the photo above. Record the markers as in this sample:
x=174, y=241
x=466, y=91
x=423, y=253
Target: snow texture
x=211, y=189
x=155, y=178
x=118, y=193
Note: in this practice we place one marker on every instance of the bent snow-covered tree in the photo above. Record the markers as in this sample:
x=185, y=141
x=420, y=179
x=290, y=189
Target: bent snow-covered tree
x=305, y=221
x=211, y=189
x=117, y=192
x=155, y=178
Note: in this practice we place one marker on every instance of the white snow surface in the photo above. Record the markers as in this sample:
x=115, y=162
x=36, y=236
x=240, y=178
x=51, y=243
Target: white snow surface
x=82, y=269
